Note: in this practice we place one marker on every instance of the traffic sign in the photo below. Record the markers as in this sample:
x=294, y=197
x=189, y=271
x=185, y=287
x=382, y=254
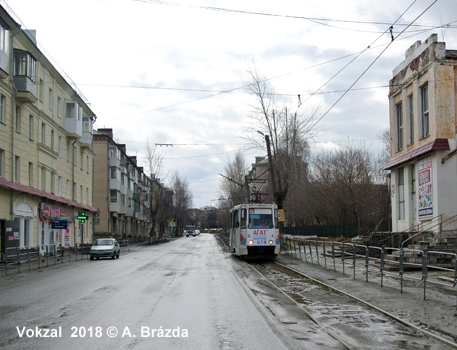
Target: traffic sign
x=280, y=214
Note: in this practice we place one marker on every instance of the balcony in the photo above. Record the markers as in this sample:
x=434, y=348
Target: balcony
x=3, y=65
x=74, y=128
x=86, y=139
x=25, y=89
x=114, y=162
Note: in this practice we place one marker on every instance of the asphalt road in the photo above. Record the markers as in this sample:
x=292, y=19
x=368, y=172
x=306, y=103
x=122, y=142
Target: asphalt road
x=180, y=294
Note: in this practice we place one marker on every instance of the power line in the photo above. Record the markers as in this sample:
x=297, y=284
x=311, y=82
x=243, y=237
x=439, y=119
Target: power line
x=374, y=61
x=317, y=20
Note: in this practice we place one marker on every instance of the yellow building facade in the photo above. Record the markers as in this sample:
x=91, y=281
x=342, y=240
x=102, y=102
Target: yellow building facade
x=423, y=164
x=46, y=156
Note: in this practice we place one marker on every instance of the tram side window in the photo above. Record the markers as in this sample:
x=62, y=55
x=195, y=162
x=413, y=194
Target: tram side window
x=235, y=221
x=243, y=218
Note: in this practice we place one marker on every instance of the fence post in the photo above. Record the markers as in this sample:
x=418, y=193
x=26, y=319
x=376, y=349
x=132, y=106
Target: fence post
x=325, y=254
x=382, y=266
x=342, y=255
x=304, y=250
x=425, y=271
x=402, y=269
x=367, y=262
x=310, y=252
x=299, y=250
x=18, y=263
x=333, y=256
x=28, y=256
x=317, y=253
x=353, y=258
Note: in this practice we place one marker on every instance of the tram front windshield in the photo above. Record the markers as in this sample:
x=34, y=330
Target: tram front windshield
x=260, y=218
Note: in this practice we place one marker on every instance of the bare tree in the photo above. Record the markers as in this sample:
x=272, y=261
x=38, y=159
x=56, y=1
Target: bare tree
x=182, y=201
x=233, y=185
x=343, y=187
x=157, y=197
x=287, y=132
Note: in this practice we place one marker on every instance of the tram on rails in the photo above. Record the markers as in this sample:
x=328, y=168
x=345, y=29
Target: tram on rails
x=254, y=231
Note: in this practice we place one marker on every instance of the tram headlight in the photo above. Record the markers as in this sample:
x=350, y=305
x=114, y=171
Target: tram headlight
x=270, y=242
x=251, y=242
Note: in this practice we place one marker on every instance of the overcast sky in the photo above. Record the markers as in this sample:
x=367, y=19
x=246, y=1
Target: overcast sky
x=160, y=72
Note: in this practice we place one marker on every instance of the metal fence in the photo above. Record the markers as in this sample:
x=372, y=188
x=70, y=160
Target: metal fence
x=45, y=255
x=405, y=264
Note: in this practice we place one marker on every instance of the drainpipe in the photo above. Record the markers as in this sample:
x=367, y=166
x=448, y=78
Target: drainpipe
x=73, y=183
x=13, y=105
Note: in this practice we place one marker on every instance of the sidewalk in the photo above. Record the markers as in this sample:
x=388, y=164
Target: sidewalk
x=69, y=256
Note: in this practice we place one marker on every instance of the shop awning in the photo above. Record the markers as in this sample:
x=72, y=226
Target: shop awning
x=33, y=191
x=435, y=145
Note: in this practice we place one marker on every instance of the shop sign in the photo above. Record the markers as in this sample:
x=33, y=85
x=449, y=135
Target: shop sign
x=49, y=211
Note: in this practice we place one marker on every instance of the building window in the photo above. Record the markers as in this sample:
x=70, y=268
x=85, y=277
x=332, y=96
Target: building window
x=52, y=140
x=40, y=90
x=53, y=182
x=401, y=194
x=17, y=164
x=113, y=196
x=2, y=163
x=82, y=159
x=3, y=109
x=18, y=119
x=59, y=107
x=411, y=120
x=413, y=190
x=73, y=110
x=68, y=151
x=51, y=99
x=26, y=233
x=399, y=113
x=68, y=189
x=30, y=174
x=4, y=39
x=43, y=133
x=24, y=65
x=87, y=164
x=43, y=179
x=60, y=146
x=31, y=127
x=81, y=194
x=425, y=111
x=59, y=186
x=113, y=171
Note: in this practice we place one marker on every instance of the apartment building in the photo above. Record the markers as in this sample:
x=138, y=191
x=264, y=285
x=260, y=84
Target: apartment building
x=121, y=191
x=46, y=158
x=423, y=135
x=259, y=181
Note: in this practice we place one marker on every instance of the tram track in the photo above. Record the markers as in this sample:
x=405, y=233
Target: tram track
x=343, y=320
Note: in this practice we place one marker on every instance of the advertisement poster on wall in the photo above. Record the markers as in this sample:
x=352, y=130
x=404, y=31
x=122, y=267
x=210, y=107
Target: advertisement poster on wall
x=424, y=176
x=66, y=242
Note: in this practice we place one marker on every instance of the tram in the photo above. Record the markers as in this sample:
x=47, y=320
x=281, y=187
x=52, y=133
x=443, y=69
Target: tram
x=254, y=231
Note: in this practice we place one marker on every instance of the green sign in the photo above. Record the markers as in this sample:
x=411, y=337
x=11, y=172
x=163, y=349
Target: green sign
x=82, y=216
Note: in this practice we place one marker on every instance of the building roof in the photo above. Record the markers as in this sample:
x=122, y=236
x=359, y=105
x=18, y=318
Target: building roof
x=435, y=145
x=22, y=188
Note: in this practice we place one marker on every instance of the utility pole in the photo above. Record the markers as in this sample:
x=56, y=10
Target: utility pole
x=270, y=164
